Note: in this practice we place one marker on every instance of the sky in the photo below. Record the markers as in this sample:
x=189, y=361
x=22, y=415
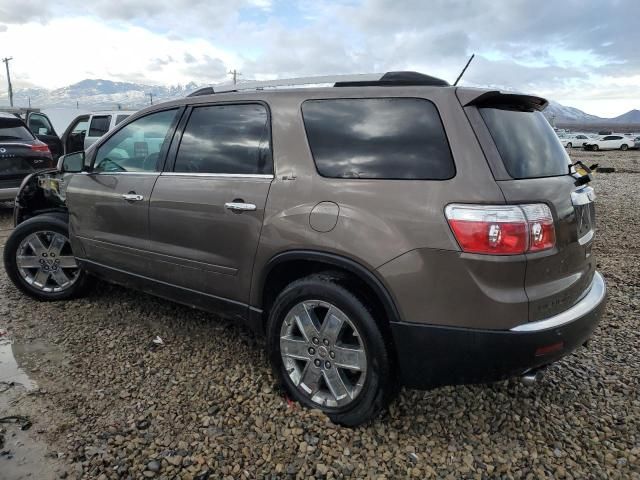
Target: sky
x=584, y=54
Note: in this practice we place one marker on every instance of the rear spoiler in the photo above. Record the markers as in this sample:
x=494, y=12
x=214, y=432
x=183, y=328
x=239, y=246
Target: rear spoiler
x=499, y=99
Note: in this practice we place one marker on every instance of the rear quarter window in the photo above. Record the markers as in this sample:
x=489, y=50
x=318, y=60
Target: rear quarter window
x=526, y=142
x=99, y=125
x=378, y=138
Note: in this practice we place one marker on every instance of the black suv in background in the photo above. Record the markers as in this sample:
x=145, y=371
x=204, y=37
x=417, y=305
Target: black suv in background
x=21, y=154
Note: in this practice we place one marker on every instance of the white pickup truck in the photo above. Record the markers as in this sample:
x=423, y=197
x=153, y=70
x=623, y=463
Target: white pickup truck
x=85, y=129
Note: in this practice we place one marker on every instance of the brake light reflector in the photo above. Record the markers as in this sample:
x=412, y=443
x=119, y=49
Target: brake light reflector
x=40, y=147
x=501, y=229
x=542, y=234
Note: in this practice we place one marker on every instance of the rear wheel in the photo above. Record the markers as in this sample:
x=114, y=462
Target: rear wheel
x=327, y=350
x=595, y=148
x=569, y=145
x=624, y=147
x=39, y=261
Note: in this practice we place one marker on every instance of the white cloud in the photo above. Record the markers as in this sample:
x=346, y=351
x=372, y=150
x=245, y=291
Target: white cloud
x=67, y=50
x=566, y=50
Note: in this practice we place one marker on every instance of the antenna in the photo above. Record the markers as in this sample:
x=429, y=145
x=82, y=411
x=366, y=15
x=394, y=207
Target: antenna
x=463, y=70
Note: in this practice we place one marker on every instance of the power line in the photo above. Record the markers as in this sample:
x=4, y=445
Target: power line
x=6, y=64
x=235, y=75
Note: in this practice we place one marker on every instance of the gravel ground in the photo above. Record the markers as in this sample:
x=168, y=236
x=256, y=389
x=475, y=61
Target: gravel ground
x=111, y=404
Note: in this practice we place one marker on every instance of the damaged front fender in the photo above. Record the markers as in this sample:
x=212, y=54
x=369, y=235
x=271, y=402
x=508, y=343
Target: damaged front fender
x=41, y=192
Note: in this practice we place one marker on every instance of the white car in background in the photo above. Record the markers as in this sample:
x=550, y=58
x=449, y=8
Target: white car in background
x=573, y=140
x=610, y=142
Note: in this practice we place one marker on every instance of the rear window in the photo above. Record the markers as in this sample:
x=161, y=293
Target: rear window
x=527, y=144
x=14, y=130
x=376, y=138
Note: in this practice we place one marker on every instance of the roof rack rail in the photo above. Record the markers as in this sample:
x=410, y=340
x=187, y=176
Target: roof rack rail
x=389, y=79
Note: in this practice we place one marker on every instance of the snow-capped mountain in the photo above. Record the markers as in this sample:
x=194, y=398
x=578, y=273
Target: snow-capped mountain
x=631, y=117
x=97, y=94
x=106, y=94
x=561, y=113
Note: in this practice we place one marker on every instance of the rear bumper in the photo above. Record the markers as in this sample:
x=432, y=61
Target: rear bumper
x=430, y=355
x=8, y=193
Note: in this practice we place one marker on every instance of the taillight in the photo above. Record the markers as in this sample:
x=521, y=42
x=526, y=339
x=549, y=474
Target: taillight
x=40, y=147
x=502, y=229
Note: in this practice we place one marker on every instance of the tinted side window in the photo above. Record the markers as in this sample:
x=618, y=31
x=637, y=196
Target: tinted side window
x=392, y=138
x=137, y=147
x=231, y=139
x=120, y=118
x=40, y=125
x=99, y=125
x=81, y=126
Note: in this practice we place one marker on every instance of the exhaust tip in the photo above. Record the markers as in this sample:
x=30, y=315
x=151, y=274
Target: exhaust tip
x=530, y=378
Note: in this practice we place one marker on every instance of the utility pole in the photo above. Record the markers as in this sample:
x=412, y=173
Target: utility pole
x=29, y=101
x=6, y=64
x=150, y=97
x=77, y=104
x=235, y=74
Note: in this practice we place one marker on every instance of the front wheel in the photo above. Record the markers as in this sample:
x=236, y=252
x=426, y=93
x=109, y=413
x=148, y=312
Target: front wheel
x=328, y=352
x=39, y=261
x=595, y=148
x=624, y=147
x=569, y=145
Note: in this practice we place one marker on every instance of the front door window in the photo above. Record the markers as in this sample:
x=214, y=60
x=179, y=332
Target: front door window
x=138, y=147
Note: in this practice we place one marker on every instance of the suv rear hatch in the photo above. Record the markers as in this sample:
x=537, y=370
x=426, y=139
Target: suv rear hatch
x=531, y=166
x=20, y=152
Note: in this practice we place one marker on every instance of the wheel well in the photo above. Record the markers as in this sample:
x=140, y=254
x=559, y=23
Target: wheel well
x=373, y=295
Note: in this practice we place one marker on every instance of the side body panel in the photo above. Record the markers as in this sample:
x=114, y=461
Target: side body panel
x=107, y=228
x=198, y=243
x=379, y=220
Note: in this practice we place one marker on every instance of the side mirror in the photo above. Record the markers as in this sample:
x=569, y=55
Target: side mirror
x=71, y=163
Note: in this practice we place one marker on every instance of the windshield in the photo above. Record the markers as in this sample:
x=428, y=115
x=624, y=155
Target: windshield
x=527, y=144
x=14, y=130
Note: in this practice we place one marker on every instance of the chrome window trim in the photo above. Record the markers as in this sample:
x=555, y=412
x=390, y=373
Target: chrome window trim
x=28, y=145
x=218, y=175
x=590, y=301
x=122, y=173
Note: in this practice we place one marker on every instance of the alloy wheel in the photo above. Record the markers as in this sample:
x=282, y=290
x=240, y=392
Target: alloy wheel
x=45, y=261
x=323, y=353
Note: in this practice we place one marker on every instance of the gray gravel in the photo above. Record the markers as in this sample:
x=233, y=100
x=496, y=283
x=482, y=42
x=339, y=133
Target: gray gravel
x=113, y=404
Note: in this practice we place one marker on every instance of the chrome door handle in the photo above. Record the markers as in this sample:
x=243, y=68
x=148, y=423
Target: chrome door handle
x=240, y=207
x=132, y=197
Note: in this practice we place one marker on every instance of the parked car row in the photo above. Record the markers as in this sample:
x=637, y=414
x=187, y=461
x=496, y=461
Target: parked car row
x=29, y=143
x=615, y=141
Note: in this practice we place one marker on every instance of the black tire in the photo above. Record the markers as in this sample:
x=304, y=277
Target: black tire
x=595, y=148
x=41, y=223
x=569, y=145
x=378, y=388
x=624, y=147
